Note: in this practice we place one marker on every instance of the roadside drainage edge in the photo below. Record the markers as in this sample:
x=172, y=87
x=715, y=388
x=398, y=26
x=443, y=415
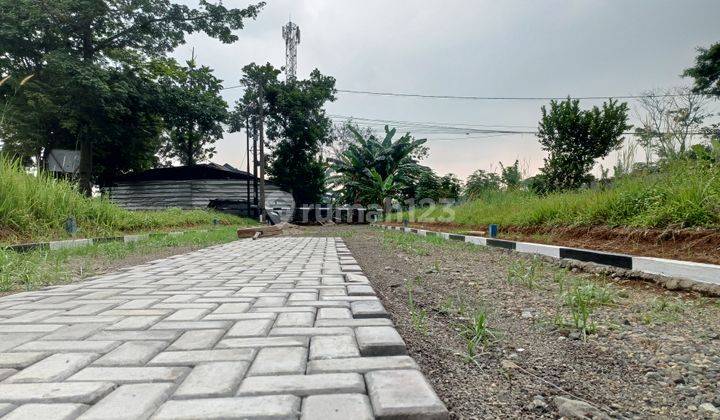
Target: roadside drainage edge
x=700, y=273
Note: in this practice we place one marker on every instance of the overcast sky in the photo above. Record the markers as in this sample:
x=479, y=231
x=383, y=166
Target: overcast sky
x=471, y=47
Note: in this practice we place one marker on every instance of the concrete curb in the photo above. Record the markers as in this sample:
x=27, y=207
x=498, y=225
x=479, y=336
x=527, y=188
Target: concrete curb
x=77, y=243
x=686, y=270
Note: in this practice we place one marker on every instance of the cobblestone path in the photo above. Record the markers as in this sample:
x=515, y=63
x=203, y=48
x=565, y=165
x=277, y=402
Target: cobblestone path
x=274, y=328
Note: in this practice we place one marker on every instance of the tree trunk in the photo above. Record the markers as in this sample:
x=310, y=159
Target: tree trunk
x=85, y=178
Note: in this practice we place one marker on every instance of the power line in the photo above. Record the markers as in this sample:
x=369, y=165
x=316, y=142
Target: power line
x=501, y=98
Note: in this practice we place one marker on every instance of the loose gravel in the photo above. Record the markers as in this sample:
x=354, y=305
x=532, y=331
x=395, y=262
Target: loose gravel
x=653, y=353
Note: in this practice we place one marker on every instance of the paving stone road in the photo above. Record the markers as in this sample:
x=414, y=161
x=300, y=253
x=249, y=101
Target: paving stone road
x=274, y=328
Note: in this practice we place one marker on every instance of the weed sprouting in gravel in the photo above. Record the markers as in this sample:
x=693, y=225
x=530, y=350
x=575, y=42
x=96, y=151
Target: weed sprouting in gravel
x=477, y=334
x=418, y=316
x=454, y=306
x=663, y=310
x=581, y=299
x=526, y=273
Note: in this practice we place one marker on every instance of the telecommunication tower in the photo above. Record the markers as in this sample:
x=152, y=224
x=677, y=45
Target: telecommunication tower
x=291, y=35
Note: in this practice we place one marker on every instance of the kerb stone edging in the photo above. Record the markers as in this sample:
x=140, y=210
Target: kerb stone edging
x=705, y=274
x=77, y=243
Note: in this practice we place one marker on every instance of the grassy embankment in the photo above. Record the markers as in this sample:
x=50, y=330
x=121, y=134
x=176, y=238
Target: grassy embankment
x=35, y=208
x=683, y=195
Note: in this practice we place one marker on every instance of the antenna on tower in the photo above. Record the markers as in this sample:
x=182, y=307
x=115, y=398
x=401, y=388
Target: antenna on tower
x=291, y=35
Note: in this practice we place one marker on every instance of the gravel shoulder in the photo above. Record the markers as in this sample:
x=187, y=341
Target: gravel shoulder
x=649, y=353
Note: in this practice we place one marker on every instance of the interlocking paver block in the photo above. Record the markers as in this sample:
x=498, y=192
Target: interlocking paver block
x=368, y=309
x=128, y=375
x=51, y=392
x=360, y=364
x=20, y=360
x=403, y=394
x=132, y=353
x=264, y=407
x=256, y=342
x=295, y=319
x=333, y=347
x=69, y=346
x=219, y=379
x=248, y=329
x=54, y=368
x=197, y=340
x=130, y=402
x=279, y=361
x=379, y=341
x=302, y=385
x=46, y=412
x=337, y=407
x=194, y=357
x=334, y=313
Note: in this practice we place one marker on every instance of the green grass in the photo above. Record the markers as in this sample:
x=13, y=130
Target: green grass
x=36, y=208
x=28, y=271
x=684, y=194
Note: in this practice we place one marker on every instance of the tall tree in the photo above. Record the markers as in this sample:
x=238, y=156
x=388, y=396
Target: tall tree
x=82, y=39
x=193, y=112
x=706, y=71
x=575, y=138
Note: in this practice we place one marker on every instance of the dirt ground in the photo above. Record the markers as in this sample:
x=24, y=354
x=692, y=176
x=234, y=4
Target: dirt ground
x=653, y=353
x=699, y=245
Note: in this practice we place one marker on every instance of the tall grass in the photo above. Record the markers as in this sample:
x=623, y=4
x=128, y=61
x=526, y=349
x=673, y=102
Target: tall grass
x=34, y=207
x=684, y=194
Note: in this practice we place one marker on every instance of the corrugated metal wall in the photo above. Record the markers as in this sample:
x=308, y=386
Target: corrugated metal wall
x=191, y=194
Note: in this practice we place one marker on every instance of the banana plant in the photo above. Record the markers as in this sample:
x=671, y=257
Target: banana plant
x=372, y=170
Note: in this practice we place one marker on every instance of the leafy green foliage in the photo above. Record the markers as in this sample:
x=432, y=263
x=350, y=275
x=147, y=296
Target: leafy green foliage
x=363, y=170
x=194, y=113
x=706, y=71
x=94, y=84
x=297, y=126
x=575, y=138
x=480, y=182
x=511, y=176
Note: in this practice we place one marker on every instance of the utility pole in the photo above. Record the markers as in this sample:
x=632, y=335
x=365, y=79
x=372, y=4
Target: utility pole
x=247, y=166
x=291, y=35
x=261, y=115
x=255, y=169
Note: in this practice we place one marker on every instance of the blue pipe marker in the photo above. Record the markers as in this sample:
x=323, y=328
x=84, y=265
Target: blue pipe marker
x=493, y=230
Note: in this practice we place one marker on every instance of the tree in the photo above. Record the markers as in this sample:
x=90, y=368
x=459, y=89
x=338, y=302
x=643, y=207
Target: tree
x=193, y=112
x=387, y=157
x=480, y=182
x=511, y=175
x=450, y=187
x=297, y=127
x=575, y=138
x=670, y=120
x=706, y=71
x=80, y=43
x=428, y=188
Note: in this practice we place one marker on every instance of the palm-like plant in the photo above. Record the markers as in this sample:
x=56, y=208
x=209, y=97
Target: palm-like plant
x=372, y=171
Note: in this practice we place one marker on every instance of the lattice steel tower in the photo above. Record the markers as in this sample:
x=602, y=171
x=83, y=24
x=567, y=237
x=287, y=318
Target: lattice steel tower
x=291, y=35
